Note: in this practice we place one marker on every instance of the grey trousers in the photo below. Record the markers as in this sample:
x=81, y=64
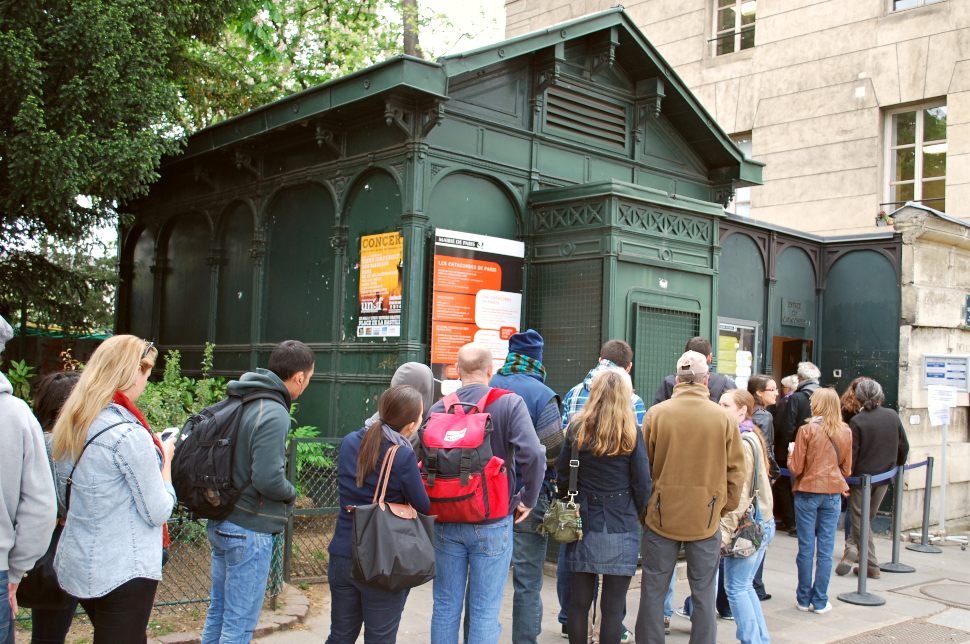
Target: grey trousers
x=855, y=512
x=659, y=559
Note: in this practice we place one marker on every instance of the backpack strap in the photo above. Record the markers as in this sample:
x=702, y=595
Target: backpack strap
x=453, y=404
x=70, y=477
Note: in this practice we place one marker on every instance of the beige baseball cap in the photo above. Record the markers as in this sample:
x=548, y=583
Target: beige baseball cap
x=692, y=363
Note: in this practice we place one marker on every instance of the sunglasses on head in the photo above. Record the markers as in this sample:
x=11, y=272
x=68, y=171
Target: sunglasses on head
x=148, y=348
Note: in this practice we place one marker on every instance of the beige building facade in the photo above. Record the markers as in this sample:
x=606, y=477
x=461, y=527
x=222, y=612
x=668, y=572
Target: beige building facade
x=855, y=106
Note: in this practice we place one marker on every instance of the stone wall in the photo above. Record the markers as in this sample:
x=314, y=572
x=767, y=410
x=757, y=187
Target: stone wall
x=812, y=93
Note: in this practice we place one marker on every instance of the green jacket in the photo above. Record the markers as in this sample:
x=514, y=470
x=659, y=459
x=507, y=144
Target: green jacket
x=259, y=466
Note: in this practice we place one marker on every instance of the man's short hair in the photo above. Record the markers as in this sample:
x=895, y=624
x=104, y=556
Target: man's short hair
x=807, y=371
x=618, y=352
x=290, y=357
x=700, y=344
x=691, y=367
x=474, y=358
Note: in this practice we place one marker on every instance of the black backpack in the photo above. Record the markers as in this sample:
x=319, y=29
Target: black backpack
x=204, y=454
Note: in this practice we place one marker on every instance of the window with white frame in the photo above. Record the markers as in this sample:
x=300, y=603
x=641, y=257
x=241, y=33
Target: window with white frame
x=741, y=204
x=733, y=25
x=917, y=155
x=899, y=5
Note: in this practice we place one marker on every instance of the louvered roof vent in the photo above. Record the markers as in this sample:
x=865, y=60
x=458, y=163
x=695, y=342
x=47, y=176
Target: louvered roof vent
x=569, y=113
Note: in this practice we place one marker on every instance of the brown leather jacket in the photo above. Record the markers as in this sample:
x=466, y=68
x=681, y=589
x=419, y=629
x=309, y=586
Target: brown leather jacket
x=820, y=465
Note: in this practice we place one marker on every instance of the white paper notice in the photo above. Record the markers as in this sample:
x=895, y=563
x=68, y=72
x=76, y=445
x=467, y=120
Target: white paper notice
x=939, y=401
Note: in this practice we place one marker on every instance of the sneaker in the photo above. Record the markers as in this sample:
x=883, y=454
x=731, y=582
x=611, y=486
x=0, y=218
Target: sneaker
x=565, y=633
x=666, y=626
x=626, y=637
x=765, y=597
x=680, y=612
x=843, y=567
x=804, y=609
x=823, y=609
x=727, y=616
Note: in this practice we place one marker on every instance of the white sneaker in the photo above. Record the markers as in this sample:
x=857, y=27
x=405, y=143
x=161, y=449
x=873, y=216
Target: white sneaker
x=823, y=609
x=804, y=609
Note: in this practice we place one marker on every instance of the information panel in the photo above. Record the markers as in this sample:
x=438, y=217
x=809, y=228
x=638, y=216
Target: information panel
x=477, y=297
x=379, y=294
x=946, y=371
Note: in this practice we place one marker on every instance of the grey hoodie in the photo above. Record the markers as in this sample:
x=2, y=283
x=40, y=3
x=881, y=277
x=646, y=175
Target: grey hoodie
x=419, y=376
x=28, y=509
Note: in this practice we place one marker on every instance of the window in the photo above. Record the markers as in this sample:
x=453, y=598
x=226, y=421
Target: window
x=733, y=25
x=741, y=204
x=917, y=156
x=899, y=5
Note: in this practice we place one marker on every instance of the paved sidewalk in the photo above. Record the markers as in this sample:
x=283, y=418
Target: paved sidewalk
x=930, y=605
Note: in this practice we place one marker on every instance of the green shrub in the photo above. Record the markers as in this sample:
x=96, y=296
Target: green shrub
x=19, y=373
x=170, y=401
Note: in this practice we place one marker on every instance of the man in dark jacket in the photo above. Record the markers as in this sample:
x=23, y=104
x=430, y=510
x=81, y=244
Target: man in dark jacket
x=259, y=470
x=524, y=374
x=879, y=443
x=798, y=409
x=716, y=384
x=480, y=553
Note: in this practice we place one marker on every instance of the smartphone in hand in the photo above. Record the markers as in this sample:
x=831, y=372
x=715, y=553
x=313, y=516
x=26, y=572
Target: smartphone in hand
x=168, y=432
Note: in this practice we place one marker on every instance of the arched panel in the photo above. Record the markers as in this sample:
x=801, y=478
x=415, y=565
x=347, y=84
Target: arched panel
x=141, y=285
x=796, y=283
x=373, y=206
x=235, y=297
x=473, y=204
x=185, y=289
x=299, y=277
x=741, y=284
x=860, y=315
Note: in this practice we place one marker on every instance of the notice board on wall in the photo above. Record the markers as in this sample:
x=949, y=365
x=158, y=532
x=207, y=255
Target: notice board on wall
x=476, y=297
x=379, y=293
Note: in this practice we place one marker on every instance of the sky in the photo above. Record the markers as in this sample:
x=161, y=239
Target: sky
x=473, y=23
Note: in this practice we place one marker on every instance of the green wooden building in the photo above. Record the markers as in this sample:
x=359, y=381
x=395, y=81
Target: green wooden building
x=578, y=140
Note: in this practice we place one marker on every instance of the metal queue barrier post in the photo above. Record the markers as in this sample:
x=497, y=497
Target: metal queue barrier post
x=894, y=565
x=924, y=544
x=861, y=597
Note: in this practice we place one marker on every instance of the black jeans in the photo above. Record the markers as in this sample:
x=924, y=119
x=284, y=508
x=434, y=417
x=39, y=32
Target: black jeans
x=51, y=626
x=122, y=615
x=353, y=605
x=612, y=607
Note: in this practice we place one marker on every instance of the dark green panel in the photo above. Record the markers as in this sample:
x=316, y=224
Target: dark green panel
x=472, y=204
x=235, y=298
x=564, y=305
x=860, y=315
x=142, y=286
x=455, y=136
x=741, y=289
x=557, y=162
x=299, y=286
x=370, y=139
x=374, y=206
x=356, y=402
x=500, y=96
x=185, y=290
x=659, y=337
x=508, y=149
x=796, y=281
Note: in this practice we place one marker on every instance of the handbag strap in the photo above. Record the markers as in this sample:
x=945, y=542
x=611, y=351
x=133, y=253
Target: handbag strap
x=385, y=474
x=838, y=456
x=70, y=477
x=573, y=473
x=754, y=472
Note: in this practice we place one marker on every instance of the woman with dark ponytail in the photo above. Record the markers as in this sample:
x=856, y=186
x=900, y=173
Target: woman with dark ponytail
x=353, y=605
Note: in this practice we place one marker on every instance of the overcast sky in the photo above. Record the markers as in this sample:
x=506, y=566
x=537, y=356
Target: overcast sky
x=474, y=23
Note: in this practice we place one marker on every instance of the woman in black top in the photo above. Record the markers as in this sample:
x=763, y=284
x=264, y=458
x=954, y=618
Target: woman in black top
x=613, y=487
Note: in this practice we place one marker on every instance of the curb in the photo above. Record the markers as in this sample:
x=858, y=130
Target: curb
x=294, y=609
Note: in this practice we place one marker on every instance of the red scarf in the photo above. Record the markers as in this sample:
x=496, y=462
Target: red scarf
x=121, y=399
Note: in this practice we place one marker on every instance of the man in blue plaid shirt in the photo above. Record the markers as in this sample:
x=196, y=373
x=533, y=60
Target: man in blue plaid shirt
x=614, y=353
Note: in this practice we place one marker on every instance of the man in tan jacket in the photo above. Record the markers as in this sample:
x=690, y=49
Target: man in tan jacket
x=697, y=464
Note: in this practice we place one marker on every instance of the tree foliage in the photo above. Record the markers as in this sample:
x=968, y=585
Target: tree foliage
x=90, y=104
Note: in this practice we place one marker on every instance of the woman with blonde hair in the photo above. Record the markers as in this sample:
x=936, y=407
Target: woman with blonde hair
x=613, y=486
x=114, y=479
x=820, y=460
x=739, y=572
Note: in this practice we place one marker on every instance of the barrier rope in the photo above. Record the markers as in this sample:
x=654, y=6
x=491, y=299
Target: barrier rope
x=876, y=478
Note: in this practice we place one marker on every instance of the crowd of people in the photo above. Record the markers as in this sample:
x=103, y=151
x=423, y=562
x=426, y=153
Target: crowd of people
x=698, y=474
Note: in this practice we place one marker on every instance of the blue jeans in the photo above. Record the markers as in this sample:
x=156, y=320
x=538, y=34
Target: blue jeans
x=479, y=554
x=240, y=567
x=528, y=559
x=6, y=619
x=745, y=604
x=353, y=605
x=817, y=517
x=669, y=597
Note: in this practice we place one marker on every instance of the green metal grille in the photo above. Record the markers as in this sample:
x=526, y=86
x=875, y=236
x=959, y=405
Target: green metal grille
x=314, y=516
x=660, y=338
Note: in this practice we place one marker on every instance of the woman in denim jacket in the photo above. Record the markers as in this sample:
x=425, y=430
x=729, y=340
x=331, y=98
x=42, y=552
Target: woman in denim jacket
x=110, y=553
x=613, y=485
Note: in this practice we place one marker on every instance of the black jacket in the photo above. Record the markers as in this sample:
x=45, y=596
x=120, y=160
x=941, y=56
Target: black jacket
x=717, y=385
x=798, y=409
x=878, y=441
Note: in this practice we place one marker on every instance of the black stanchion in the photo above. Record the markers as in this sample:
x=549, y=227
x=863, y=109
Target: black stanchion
x=861, y=597
x=924, y=544
x=894, y=565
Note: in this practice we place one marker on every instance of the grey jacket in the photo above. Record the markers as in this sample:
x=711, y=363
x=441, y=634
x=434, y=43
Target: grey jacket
x=119, y=503
x=27, y=507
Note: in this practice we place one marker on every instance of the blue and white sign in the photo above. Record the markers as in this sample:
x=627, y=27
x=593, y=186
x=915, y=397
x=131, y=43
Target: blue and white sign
x=946, y=371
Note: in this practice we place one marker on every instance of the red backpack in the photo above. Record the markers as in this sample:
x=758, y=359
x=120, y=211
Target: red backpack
x=464, y=480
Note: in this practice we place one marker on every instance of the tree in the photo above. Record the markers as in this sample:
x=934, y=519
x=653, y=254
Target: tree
x=90, y=104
